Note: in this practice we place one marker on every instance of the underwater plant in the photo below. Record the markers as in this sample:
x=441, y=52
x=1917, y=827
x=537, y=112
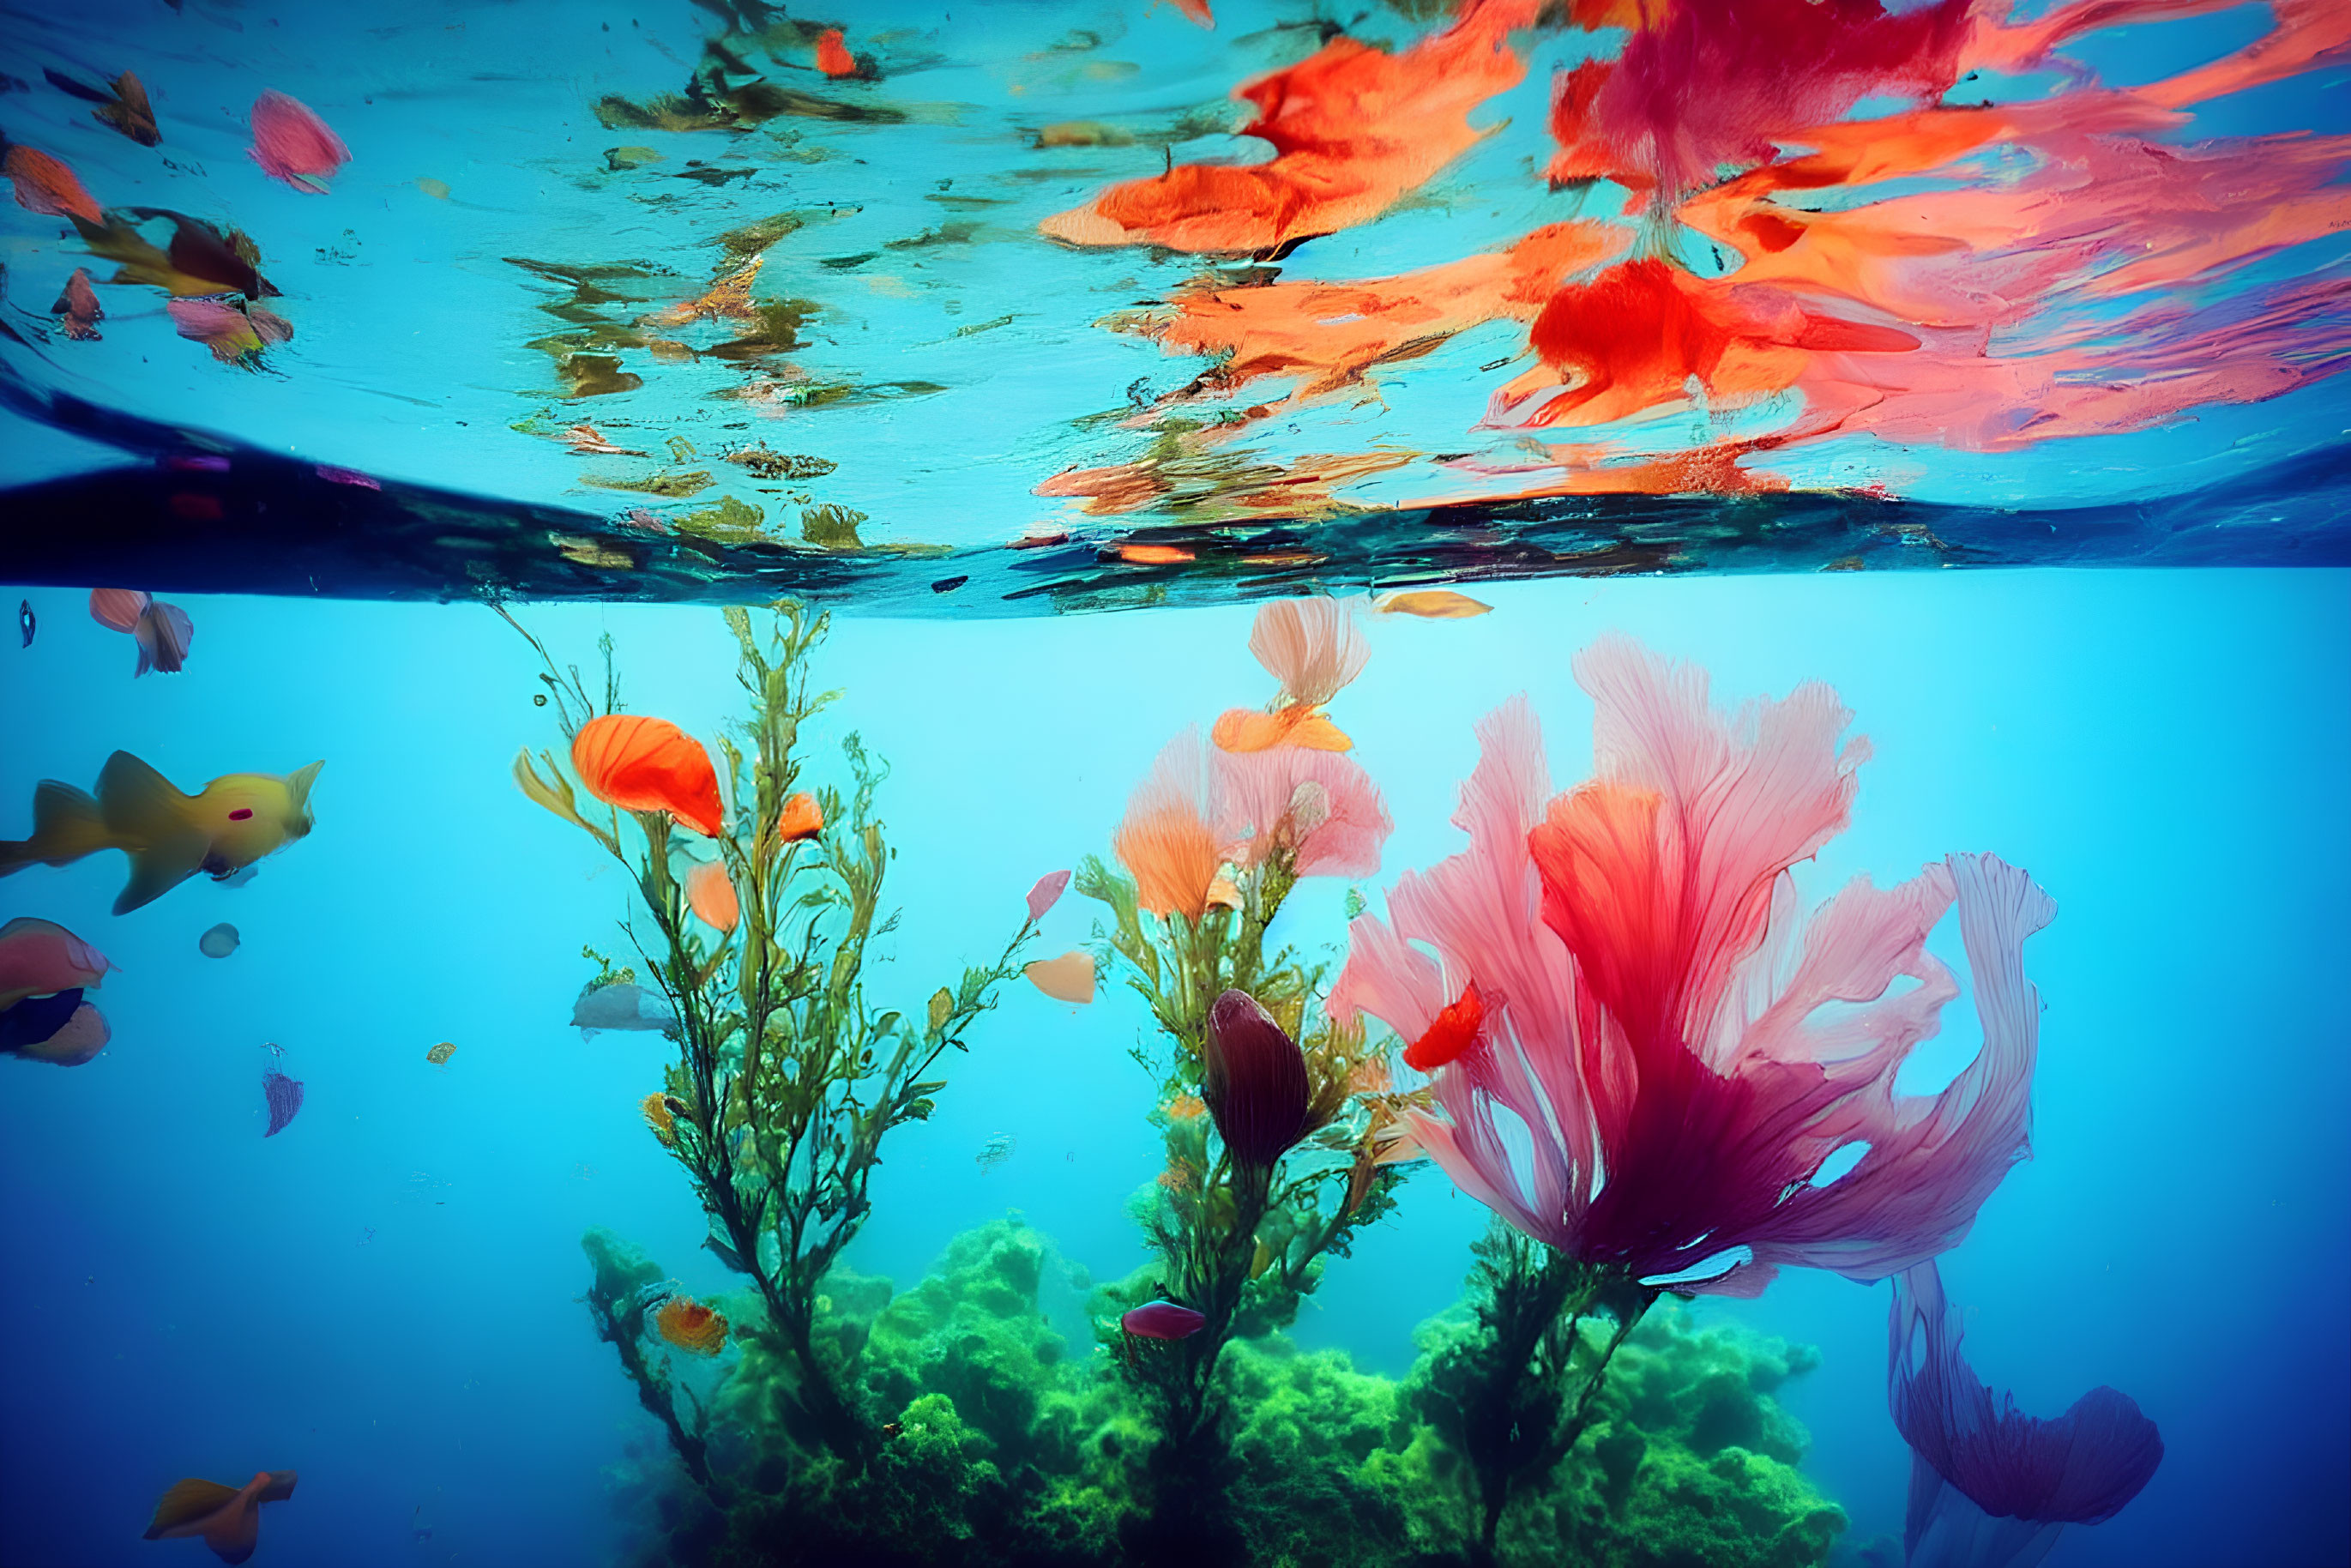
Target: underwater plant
x=1214, y=842
x=1992, y=1487
x=1653, y=1080
x=787, y=1077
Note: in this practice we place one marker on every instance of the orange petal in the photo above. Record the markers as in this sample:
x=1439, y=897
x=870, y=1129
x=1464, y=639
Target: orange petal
x=801, y=819
x=710, y=893
x=642, y=764
x=1068, y=979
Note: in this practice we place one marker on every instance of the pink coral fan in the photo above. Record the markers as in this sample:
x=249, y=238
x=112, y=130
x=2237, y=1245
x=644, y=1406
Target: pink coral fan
x=1655, y=1025
x=292, y=143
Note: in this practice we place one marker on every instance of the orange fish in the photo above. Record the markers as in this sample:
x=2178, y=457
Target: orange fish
x=833, y=56
x=802, y=818
x=44, y=184
x=228, y=1519
x=642, y=764
x=1454, y=1030
x=1197, y=11
x=710, y=893
x=691, y=1326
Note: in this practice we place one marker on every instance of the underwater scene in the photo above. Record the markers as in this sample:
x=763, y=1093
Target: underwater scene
x=1404, y=784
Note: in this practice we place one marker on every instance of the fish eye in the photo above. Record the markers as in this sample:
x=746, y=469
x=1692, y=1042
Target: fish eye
x=538, y=699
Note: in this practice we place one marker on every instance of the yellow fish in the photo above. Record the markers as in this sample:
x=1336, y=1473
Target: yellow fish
x=170, y=837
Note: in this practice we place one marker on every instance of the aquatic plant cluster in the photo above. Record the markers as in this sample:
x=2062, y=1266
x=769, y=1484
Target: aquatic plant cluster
x=1607, y=1019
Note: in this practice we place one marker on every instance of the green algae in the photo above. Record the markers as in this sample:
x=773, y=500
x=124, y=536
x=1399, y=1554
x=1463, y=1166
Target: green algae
x=1009, y=1445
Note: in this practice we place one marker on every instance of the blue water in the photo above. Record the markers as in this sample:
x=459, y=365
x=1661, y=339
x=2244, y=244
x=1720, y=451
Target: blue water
x=384, y=1296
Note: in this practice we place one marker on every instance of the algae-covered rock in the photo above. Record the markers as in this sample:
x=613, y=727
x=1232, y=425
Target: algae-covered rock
x=1006, y=1446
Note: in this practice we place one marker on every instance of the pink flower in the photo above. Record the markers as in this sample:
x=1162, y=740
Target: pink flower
x=292, y=143
x=1320, y=803
x=1654, y=998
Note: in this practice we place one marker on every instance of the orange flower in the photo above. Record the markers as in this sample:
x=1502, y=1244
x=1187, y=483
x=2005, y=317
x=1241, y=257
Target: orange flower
x=660, y=1119
x=1184, y=1107
x=1179, y=1177
x=642, y=764
x=1165, y=842
x=691, y=1326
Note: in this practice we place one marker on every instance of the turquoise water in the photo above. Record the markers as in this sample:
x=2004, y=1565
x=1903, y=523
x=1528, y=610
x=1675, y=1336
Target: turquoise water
x=1054, y=350
x=385, y=1295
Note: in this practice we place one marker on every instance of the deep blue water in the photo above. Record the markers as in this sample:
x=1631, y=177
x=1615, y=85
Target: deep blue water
x=384, y=1296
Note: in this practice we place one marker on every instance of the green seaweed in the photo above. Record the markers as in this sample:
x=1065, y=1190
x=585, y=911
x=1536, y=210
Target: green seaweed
x=788, y=1076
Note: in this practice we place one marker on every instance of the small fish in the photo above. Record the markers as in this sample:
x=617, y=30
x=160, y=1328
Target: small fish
x=123, y=106
x=1046, y=894
x=441, y=1053
x=235, y=821
x=1197, y=11
x=996, y=1151
x=893, y=1428
x=622, y=1006
x=25, y=621
x=1163, y=1320
x=1432, y=604
x=618, y=159
x=228, y=1519
x=1068, y=979
x=436, y=189
x=293, y=144
x=219, y=942
x=78, y=310
x=285, y=1097
x=1457, y=1028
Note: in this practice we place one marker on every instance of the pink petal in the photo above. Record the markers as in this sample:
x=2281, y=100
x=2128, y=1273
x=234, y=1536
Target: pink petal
x=1046, y=894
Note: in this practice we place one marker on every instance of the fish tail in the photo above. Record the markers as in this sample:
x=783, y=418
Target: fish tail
x=67, y=825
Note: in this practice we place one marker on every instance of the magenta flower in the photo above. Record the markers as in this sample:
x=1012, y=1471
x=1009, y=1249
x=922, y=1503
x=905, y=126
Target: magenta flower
x=1254, y=1080
x=1992, y=1487
x=1657, y=1085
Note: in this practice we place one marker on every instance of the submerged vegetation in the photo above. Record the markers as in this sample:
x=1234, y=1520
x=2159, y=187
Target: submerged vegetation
x=1597, y=1020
